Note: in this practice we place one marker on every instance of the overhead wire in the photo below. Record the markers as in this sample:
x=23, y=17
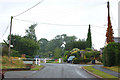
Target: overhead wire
x=4, y=32
x=48, y=23
x=28, y=9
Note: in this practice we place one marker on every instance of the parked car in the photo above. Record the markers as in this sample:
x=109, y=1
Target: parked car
x=69, y=60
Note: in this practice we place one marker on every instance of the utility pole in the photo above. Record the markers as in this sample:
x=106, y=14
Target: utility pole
x=10, y=37
x=109, y=33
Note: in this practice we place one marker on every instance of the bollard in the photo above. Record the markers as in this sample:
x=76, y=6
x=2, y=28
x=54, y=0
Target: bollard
x=36, y=61
x=45, y=60
x=39, y=62
x=59, y=60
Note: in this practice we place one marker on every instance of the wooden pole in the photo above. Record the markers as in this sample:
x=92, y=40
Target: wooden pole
x=10, y=37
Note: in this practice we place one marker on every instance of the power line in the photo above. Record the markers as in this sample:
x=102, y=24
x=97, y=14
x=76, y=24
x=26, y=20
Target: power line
x=59, y=24
x=62, y=24
x=4, y=32
x=48, y=23
x=24, y=20
x=28, y=9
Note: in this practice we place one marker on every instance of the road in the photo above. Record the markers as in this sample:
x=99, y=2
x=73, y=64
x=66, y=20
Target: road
x=52, y=71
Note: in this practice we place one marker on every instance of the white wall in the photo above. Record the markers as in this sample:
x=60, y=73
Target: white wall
x=119, y=19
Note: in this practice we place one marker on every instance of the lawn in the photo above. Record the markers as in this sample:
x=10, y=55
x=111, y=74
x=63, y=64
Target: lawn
x=37, y=67
x=98, y=72
x=52, y=61
x=113, y=68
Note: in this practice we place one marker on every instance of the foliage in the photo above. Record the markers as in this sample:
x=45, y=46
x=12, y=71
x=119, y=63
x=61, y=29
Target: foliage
x=15, y=53
x=88, y=49
x=113, y=68
x=80, y=61
x=28, y=46
x=92, y=54
x=57, y=53
x=43, y=44
x=109, y=33
x=6, y=63
x=111, y=54
x=4, y=50
x=37, y=67
x=23, y=45
x=89, y=40
x=30, y=33
x=65, y=57
x=81, y=44
x=47, y=48
x=75, y=52
x=99, y=73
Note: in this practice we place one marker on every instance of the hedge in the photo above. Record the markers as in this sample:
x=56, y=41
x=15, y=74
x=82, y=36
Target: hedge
x=81, y=60
x=111, y=54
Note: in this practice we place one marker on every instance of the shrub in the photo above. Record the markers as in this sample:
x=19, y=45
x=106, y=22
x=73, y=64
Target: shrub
x=81, y=60
x=6, y=63
x=88, y=49
x=15, y=53
x=111, y=54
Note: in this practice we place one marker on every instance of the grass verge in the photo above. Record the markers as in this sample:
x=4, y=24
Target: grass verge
x=98, y=72
x=113, y=68
x=37, y=67
x=11, y=63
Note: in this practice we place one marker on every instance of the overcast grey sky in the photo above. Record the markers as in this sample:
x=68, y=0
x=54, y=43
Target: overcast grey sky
x=67, y=12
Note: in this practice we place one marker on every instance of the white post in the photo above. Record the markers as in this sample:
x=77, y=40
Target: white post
x=59, y=60
x=45, y=60
x=39, y=62
x=36, y=61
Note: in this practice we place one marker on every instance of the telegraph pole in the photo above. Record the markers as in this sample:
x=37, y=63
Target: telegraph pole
x=10, y=37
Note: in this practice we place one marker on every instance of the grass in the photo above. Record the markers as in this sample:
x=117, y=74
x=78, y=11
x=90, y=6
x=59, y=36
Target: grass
x=11, y=63
x=113, y=68
x=52, y=62
x=98, y=72
x=37, y=67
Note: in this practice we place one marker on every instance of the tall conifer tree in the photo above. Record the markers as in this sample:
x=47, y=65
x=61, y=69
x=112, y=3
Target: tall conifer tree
x=89, y=39
x=109, y=33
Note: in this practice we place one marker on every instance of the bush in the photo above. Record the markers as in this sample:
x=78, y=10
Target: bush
x=90, y=54
x=27, y=56
x=111, y=54
x=15, y=53
x=6, y=63
x=88, y=49
x=65, y=56
x=81, y=60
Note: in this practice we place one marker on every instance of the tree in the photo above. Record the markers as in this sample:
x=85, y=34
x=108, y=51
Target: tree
x=28, y=47
x=57, y=53
x=23, y=45
x=43, y=44
x=15, y=41
x=89, y=40
x=109, y=33
x=30, y=33
x=81, y=44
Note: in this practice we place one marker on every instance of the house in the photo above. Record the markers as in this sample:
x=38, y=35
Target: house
x=117, y=39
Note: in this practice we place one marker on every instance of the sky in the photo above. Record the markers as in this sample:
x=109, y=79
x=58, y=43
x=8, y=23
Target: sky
x=56, y=17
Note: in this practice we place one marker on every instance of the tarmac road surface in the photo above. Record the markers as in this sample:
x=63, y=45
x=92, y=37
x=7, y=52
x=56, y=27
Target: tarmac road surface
x=52, y=71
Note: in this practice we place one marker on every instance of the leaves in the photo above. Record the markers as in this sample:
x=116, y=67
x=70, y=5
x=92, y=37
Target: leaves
x=89, y=40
